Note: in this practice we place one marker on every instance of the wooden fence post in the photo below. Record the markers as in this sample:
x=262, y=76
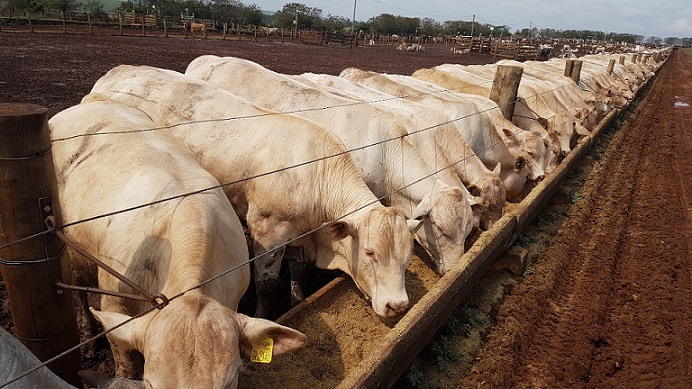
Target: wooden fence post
x=64, y=26
x=568, y=67
x=165, y=28
x=29, y=19
x=144, y=31
x=576, y=70
x=505, y=87
x=91, y=28
x=611, y=66
x=225, y=27
x=120, y=23
x=43, y=315
x=622, y=60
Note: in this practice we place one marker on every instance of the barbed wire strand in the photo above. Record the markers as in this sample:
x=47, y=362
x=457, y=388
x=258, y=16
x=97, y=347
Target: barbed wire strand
x=443, y=90
x=234, y=268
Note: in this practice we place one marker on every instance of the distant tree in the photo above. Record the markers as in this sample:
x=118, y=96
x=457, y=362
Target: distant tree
x=63, y=5
x=390, y=24
x=457, y=27
x=233, y=11
x=304, y=16
x=29, y=5
x=430, y=27
x=94, y=7
x=336, y=23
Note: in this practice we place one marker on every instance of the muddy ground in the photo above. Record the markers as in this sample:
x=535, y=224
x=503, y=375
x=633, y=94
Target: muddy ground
x=605, y=299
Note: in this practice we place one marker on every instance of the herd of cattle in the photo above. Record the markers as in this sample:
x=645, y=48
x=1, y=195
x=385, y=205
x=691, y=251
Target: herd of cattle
x=338, y=171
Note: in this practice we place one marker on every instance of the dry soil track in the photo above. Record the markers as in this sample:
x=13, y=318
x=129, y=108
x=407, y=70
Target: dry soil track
x=609, y=303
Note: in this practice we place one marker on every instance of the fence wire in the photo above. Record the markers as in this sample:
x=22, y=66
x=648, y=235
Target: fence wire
x=222, y=185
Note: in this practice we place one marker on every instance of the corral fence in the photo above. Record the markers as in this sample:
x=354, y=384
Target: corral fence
x=137, y=24
x=134, y=24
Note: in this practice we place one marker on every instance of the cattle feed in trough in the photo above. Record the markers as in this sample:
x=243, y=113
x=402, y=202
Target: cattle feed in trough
x=388, y=162
x=170, y=248
x=233, y=139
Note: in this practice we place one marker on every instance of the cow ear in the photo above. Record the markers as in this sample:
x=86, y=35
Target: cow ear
x=130, y=334
x=498, y=169
x=477, y=206
x=423, y=209
x=413, y=225
x=254, y=333
x=339, y=229
x=510, y=137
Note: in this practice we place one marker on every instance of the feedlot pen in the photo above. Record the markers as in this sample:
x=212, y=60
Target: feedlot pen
x=605, y=298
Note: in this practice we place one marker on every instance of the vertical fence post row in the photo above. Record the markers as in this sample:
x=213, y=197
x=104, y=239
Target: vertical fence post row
x=505, y=87
x=611, y=66
x=576, y=70
x=568, y=67
x=28, y=18
x=43, y=315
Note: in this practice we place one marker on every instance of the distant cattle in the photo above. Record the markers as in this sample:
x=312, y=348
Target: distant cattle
x=199, y=27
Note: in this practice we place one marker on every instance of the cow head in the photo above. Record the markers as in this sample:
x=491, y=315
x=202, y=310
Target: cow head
x=374, y=246
x=515, y=179
x=442, y=221
x=532, y=148
x=492, y=193
x=194, y=342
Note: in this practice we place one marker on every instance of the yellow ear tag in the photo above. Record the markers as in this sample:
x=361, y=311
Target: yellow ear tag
x=263, y=352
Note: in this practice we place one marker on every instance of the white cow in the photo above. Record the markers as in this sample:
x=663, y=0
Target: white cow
x=16, y=359
x=387, y=160
x=438, y=142
x=475, y=127
x=235, y=140
x=525, y=143
x=567, y=123
x=525, y=115
x=168, y=248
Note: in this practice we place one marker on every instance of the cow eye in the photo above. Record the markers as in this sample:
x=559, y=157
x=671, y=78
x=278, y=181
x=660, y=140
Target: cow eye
x=370, y=253
x=519, y=164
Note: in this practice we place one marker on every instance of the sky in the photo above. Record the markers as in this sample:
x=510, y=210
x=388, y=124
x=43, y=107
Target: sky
x=659, y=18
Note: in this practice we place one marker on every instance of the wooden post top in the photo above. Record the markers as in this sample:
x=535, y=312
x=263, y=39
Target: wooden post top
x=21, y=109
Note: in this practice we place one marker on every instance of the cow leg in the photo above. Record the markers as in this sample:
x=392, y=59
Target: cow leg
x=296, y=265
x=267, y=270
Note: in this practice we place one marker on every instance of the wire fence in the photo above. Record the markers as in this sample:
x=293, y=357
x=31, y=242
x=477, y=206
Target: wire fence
x=222, y=185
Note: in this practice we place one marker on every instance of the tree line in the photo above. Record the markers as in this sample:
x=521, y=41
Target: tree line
x=301, y=16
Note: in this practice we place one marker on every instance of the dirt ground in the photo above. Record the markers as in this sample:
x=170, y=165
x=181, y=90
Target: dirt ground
x=57, y=70
x=608, y=302
x=605, y=302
